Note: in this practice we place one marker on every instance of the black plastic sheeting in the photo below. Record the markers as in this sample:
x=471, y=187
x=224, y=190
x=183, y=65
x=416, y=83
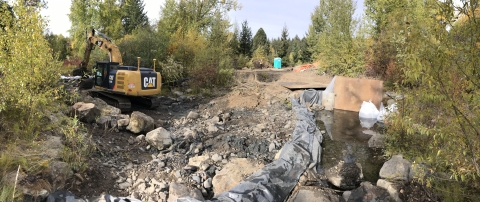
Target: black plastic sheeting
x=275, y=181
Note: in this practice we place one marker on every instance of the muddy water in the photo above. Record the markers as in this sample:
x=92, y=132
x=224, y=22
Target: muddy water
x=345, y=140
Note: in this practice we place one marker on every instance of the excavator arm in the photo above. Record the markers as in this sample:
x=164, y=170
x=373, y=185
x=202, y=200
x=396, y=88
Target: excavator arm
x=96, y=38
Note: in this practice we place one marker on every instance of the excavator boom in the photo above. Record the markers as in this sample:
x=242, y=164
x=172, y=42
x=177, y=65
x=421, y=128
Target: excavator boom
x=103, y=43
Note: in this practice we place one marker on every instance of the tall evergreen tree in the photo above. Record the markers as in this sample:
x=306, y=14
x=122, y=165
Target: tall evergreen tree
x=133, y=15
x=284, y=44
x=246, y=39
x=234, y=42
x=260, y=40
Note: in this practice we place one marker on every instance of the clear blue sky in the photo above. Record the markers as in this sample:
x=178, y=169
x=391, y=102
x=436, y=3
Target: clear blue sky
x=271, y=15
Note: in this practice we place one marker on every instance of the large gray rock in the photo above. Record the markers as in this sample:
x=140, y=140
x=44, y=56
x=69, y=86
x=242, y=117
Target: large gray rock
x=192, y=115
x=159, y=138
x=367, y=193
x=233, y=173
x=396, y=168
x=123, y=122
x=139, y=122
x=197, y=160
x=104, y=121
x=105, y=109
x=345, y=175
x=392, y=188
x=376, y=141
x=305, y=194
x=178, y=190
x=86, y=112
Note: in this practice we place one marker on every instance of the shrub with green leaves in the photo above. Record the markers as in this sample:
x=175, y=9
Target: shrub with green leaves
x=438, y=122
x=29, y=74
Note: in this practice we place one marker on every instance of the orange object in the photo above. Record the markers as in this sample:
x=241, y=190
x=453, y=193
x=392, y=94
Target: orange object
x=303, y=67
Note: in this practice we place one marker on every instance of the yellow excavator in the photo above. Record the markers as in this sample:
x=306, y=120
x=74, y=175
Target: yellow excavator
x=117, y=84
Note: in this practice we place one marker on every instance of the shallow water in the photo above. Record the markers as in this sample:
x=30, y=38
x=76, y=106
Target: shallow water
x=345, y=140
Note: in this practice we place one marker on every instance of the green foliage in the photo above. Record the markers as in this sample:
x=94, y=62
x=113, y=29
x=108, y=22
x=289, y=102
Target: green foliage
x=78, y=145
x=144, y=42
x=438, y=119
x=133, y=15
x=110, y=15
x=199, y=40
x=331, y=38
x=282, y=51
x=234, y=41
x=6, y=193
x=246, y=39
x=259, y=59
x=187, y=15
x=7, y=15
x=29, y=75
x=59, y=45
x=260, y=39
x=84, y=15
x=171, y=70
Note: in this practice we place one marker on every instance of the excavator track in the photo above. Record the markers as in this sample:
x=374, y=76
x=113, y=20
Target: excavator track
x=118, y=101
x=124, y=103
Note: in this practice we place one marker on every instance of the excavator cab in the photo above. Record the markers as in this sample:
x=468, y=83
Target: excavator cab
x=103, y=77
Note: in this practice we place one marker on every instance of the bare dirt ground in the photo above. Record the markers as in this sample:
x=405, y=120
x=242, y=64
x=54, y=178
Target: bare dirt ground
x=253, y=90
x=256, y=115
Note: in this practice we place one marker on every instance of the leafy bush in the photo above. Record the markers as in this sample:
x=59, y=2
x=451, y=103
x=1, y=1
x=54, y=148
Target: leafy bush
x=171, y=70
x=29, y=80
x=78, y=145
x=438, y=123
x=259, y=59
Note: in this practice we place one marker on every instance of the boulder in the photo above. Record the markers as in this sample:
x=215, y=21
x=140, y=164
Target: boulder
x=105, y=109
x=86, y=112
x=233, y=173
x=104, y=121
x=316, y=194
x=139, y=122
x=197, y=160
x=123, y=122
x=192, y=115
x=211, y=128
x=345, y=175
x=367, y=192
x=392, y=188
x=159, y=138
x=396, y=168
x=178, y=190
x=376, y=141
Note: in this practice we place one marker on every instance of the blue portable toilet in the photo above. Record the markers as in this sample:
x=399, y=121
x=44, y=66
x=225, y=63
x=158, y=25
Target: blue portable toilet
x=277, y=63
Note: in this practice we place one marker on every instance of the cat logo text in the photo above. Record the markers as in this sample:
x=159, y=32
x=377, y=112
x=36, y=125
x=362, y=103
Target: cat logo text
x=149, y=82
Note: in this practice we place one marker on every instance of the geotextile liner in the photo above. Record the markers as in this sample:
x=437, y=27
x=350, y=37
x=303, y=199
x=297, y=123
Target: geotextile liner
x=275, y=181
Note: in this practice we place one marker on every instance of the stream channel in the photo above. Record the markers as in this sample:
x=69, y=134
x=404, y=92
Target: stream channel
x=345, y=139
